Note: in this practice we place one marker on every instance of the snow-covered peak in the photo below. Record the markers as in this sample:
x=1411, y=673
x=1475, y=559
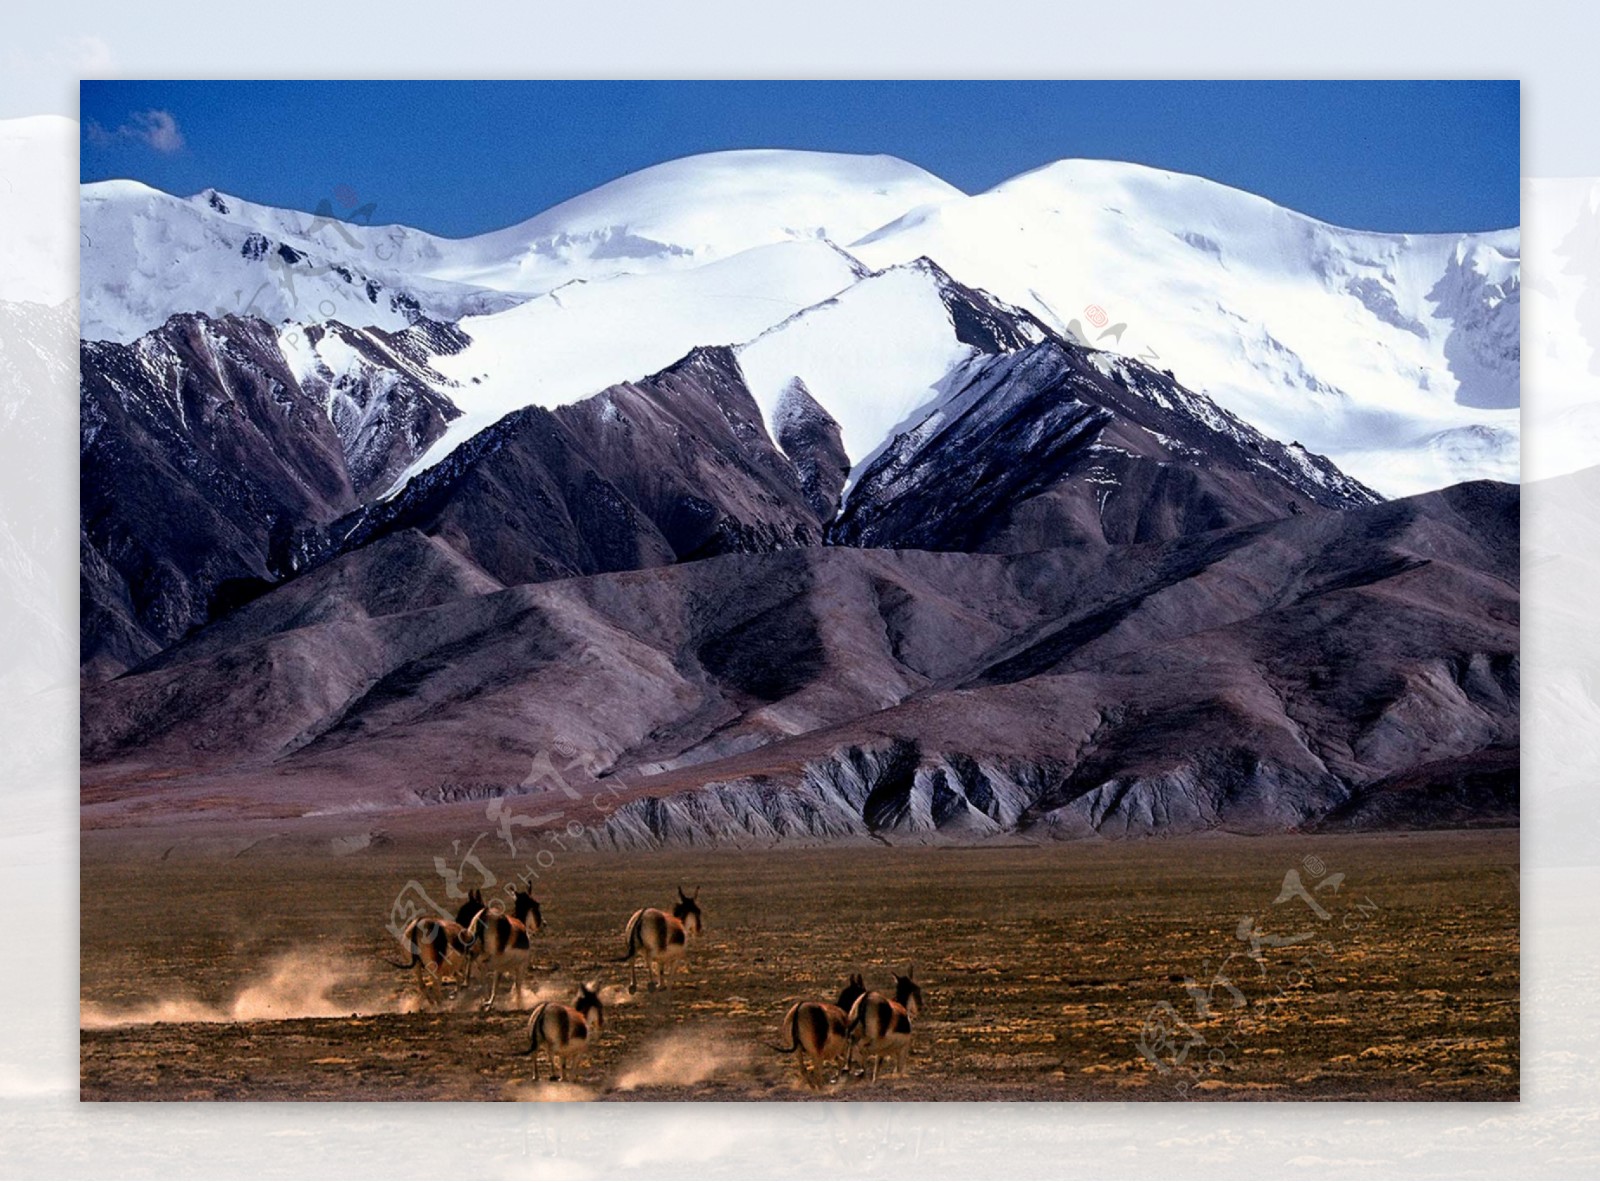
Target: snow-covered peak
x=703, y=207
x=870, y=356
x=147, y=255
x=1362, y=345
x=1355, y=342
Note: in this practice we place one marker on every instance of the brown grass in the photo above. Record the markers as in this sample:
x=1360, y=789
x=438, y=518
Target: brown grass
x=236, y=977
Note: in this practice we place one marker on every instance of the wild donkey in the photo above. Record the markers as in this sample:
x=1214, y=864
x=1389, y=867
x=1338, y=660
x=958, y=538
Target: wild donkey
x=663, y=939
x=818, y=1034
x=565, y=1032
x=879, y=1025
x=504, y=943
x=433, y=943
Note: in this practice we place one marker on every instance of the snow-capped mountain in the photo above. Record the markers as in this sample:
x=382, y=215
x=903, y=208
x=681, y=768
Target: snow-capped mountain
x=147, y=256
x=221, y=457
x=790, y=491
x=1396, y=355
x=1382, y=350
x=695, y=210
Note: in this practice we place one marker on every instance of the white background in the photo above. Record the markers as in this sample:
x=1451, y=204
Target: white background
x=1553, y=1132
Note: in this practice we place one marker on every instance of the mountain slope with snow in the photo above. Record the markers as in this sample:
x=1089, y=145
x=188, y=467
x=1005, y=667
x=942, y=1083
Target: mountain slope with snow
x=1396, y=354
x=582, y=337
x=148, y=256
x=870, y=356
x=697, y=209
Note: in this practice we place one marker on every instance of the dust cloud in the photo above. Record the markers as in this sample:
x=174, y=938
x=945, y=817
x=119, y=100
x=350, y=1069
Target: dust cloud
x=297, y=984
x=683, y=1058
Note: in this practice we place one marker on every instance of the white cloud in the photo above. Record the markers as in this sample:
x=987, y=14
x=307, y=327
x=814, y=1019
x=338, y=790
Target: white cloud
x=155, y=129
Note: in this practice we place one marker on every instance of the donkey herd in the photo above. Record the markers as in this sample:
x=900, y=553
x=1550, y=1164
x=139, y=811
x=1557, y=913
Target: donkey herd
x=863, y=1022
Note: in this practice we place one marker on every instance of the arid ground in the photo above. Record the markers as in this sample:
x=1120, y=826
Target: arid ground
x=232, y=970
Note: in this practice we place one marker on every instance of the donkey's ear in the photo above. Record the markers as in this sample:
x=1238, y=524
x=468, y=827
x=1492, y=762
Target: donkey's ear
x=681, y=895
x=911, y=971
x=696, y=895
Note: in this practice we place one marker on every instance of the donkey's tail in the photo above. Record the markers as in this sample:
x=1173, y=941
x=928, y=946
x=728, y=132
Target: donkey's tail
x=857, y=1016
x=408, y=941
x=791, y=1027
x=535, y=1030
x=631, y=936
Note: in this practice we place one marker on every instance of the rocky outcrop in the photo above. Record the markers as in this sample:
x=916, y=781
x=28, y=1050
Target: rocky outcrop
x=810, y=437
x=212, y=452
x=672, y=468
x=1054, y=443
x=1329, y=669
x=386, y=401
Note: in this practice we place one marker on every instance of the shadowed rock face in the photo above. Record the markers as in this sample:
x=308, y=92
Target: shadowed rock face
x=1052, y=443
x=1072, y=598
x=205, y=462
x=1336, y=668
x=810, y=437
x=675, y=467
x=200, y=456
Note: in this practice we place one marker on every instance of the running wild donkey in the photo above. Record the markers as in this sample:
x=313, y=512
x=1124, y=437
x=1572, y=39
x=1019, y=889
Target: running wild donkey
x=818, y=1033
x=565, y=1032
x=433, y=942
x=662, y=939
x=879, y=1025
x=504, y=943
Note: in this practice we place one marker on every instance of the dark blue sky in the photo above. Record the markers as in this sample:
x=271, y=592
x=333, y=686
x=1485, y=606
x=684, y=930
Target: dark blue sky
x=461, y=158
